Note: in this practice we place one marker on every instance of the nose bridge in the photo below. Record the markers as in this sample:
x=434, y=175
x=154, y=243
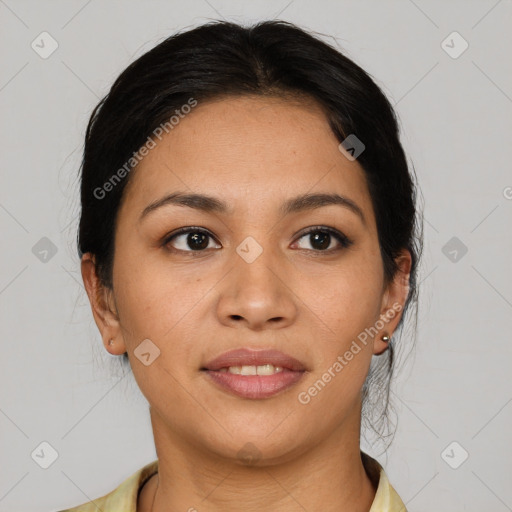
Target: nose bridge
x=257, y=268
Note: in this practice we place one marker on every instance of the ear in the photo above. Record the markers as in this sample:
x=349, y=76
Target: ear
x=393, y=301
x=103, y=306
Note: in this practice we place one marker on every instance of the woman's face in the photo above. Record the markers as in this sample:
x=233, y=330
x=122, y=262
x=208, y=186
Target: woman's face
x=249, y=277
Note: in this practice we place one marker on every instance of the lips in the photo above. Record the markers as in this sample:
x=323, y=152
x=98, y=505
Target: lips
x=246, y=357
x=243, y=384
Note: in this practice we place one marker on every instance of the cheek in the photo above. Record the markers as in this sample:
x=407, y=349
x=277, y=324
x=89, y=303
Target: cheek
x=345, y=309
x=162, y=304
x=151, y=296
x=347, y=299
x=154, y=307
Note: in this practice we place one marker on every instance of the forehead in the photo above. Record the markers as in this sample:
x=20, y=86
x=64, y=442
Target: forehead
x=250, y=151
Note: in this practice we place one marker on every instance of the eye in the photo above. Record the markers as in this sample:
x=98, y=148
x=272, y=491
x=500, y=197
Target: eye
x=196, y=239
x=321, y=237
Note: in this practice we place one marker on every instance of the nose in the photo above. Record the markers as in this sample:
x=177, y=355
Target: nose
x=257, y=295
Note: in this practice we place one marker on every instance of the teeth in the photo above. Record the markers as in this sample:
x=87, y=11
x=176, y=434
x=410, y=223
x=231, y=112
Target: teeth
x=266, y=369
x=248, y=370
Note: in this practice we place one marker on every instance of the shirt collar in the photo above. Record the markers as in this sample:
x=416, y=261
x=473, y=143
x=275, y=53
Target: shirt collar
x=125, y=496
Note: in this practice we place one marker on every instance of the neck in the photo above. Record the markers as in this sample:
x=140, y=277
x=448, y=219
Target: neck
x=190, y=479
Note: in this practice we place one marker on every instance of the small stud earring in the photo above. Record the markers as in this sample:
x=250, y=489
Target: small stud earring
x=385, y=338
x=110, y=342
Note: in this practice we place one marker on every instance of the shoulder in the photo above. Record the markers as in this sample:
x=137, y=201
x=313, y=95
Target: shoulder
x=124, y=497
x=386, y=498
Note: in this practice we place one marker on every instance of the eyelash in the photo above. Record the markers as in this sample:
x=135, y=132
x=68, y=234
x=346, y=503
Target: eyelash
x=343, y=240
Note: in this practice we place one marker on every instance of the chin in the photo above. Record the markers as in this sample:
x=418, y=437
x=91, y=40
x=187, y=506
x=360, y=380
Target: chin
x=254, y=444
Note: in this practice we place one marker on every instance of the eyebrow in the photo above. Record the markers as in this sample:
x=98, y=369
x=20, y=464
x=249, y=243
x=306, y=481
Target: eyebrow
x=296, y=204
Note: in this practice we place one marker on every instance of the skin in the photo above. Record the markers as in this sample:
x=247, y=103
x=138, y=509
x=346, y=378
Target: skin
x=311, y=303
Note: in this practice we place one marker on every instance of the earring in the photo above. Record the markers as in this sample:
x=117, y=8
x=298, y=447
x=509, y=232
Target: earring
x=110, y=342
x=385, y=338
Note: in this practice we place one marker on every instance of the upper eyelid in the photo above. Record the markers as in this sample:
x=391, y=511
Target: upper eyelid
x=188, y=229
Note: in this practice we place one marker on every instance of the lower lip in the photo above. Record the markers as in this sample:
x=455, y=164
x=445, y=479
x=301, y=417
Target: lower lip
x=255, y=386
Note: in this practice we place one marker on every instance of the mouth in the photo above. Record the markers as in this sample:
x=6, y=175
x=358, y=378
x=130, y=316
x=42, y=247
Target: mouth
x=254, y=374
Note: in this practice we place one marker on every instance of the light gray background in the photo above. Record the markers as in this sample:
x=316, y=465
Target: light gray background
x=59, y=385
